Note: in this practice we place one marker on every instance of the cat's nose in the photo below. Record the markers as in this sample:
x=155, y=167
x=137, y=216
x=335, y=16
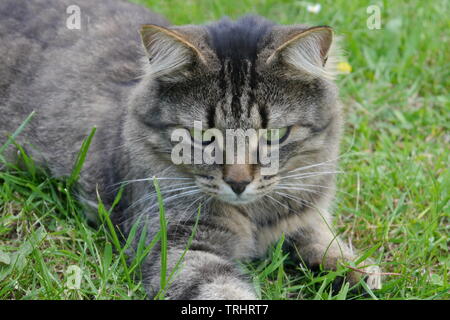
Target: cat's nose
x=237, y=187
x=238, y=176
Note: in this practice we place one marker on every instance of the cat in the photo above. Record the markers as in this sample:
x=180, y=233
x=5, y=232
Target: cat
x=136, y=78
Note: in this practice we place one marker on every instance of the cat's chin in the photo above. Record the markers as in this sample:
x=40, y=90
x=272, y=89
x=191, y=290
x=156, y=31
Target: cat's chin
x=238, y=201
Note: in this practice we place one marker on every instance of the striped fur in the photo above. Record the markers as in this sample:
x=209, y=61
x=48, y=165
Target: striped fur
x=245, y=74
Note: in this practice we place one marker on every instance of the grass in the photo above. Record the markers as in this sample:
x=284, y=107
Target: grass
x=395, y=192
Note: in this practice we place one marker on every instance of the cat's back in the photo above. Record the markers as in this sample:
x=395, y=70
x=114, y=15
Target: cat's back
x=74, y=75
x=39, y=34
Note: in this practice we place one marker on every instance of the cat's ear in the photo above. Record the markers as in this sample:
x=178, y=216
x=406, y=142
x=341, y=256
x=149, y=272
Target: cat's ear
x=303, y=49
x=171, y=49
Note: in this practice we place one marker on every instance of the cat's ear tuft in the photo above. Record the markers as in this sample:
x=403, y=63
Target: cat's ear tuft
x=304, y=49
x=169, y=50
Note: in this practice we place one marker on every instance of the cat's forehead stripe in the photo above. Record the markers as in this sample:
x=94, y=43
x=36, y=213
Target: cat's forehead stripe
x=236, y=44
x=238, y=40
x=238, y=103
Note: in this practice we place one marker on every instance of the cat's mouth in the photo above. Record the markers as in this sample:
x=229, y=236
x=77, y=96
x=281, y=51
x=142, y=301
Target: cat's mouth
x=227, y=195
x=238, y=199
x=234, y=192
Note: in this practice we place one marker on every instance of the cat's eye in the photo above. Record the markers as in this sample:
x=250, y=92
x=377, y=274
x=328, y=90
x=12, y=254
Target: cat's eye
x=196, y=133
x=276, y=135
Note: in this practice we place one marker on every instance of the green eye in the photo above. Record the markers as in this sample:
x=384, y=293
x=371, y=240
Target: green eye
x=195, y=132
x=277, y=135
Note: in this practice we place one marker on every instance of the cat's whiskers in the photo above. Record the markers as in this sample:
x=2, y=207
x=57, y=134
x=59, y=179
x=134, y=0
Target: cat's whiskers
x=188, y=185
x=162, y=190
x=177, y=185
x=126, y=182
x=175, y=197
x=150, y=195
x=168, y=190
x=304, y=203
x=345, y=154
x=301, y=189
x=278, y=202
x=301, y=185
x=324, y=163
x=190, y=215
x=310, y=174
x=300, y=201
x=166, y=201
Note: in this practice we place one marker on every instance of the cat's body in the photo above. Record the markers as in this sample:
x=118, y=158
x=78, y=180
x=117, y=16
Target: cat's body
x=65, y=74
x=228, y=75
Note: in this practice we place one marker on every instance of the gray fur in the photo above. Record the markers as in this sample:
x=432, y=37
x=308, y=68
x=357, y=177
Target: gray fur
x=135, y=91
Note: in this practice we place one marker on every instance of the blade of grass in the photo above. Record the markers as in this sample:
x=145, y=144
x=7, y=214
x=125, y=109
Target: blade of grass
x=17, y=132
x=81, y=158
x=180, y=260
x=163, y=232
x=105, y=218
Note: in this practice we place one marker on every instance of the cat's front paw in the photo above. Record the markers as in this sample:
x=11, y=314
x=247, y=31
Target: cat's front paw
x=226, y=289
x=371, y=275
x=373, y=278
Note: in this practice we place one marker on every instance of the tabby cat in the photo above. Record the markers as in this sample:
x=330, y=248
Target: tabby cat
x=136, y=78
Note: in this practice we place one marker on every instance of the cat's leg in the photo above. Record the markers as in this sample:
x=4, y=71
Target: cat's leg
x=318, y=245
x=206, y=272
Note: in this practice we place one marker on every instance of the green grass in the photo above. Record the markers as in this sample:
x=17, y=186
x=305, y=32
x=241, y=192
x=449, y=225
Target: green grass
x=395, y=189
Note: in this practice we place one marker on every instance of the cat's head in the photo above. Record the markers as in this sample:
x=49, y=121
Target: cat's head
x=248, y=74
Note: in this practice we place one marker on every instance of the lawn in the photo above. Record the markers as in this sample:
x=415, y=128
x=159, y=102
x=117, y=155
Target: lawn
x=394, y=193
